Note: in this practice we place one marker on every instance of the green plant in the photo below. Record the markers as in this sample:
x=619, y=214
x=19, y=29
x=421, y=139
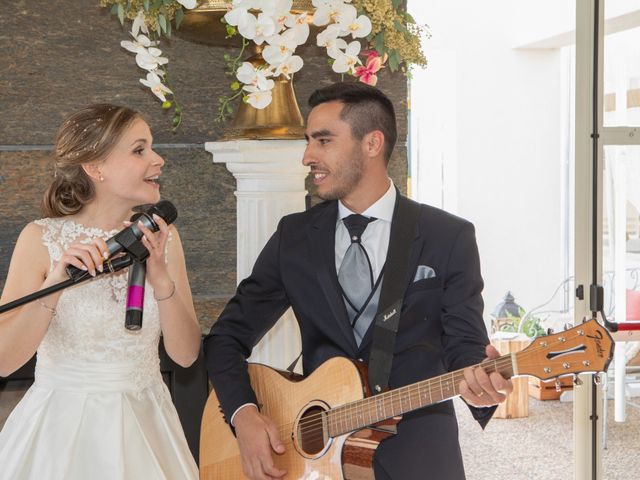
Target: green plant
x=532, y=327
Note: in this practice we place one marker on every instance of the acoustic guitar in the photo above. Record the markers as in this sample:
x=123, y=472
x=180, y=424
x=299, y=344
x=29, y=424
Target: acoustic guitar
x=331, y=424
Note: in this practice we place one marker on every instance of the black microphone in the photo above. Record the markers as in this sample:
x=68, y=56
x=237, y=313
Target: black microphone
x=128, y=239
x=135, y=296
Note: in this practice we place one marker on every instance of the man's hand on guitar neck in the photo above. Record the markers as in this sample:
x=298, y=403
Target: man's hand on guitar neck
x=258, y=438
x=481, y=390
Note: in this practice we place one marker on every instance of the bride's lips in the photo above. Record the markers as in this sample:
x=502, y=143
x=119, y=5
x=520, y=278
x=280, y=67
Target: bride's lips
x=153, y=181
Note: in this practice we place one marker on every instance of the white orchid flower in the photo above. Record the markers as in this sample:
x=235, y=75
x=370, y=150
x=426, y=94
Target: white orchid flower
x=278, y=9
x=300, y=25
x=289, y=66
x=344, y=16
x=188, y=3
x=140, y=44
x=347, y=61
x=327, y=38
x=280, y=48
x=150, y=59
x=337, y=49
x=256, y=29
x=154, y=82
x=258, y=98
x=333, y=11
x=234, y=16
x=360, y=27
x=138, y=24
x=256, y=77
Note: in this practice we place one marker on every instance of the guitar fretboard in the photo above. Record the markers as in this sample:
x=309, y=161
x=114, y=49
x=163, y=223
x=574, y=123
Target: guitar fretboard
x=368, y=411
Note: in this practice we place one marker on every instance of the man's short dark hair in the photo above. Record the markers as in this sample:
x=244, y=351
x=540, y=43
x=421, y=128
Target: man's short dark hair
x=365, y=109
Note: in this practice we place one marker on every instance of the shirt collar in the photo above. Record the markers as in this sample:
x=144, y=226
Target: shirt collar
x=382, y=209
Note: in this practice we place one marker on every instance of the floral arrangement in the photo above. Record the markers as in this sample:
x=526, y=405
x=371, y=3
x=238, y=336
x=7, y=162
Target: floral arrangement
x=391, y=35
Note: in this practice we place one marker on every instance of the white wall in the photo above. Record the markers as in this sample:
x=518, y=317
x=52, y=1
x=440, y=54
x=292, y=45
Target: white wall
x=488, y=146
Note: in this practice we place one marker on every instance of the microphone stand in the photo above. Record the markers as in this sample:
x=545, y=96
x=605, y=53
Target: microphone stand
x=112, y=266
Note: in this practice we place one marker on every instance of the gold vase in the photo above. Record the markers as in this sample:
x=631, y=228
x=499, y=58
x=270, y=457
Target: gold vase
x=281, y=119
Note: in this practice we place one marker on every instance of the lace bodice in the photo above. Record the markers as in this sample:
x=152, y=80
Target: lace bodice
x=88, y=327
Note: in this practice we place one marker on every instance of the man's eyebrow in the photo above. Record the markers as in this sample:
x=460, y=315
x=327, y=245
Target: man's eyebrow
x=323, y=133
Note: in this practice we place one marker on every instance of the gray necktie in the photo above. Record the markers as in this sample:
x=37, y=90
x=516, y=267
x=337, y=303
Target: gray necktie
x=356, y=275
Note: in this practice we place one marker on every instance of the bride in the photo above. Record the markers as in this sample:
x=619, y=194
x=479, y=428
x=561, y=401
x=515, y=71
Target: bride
x=98, y=407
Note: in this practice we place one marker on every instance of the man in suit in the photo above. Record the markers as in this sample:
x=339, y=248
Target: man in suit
x=351, y=133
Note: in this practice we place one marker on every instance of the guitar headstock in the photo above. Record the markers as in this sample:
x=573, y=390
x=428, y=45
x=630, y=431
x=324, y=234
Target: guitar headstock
x=585, y=348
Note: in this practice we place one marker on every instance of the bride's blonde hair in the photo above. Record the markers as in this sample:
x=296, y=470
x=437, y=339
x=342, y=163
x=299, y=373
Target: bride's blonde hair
x=86, y=136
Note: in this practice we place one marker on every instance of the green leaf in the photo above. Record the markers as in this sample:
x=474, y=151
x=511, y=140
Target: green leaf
x=163, y=22
x=114, y=9
x=178, y=109
x=394, y=60
x=409, y=17
x=145, y=4
x=121, y=13
x=396, y=3
x=168, y=29
x=378, y=42
x=398, y=24
x=179, y=17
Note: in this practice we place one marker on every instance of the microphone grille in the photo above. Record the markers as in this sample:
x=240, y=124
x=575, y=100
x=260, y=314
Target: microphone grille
x=165, y=210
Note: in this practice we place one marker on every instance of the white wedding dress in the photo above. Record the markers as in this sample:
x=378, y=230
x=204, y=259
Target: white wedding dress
x=98, y=408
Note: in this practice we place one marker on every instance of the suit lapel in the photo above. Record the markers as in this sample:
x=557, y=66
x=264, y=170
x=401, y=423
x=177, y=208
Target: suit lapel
x=322, y=236
x=401, y=206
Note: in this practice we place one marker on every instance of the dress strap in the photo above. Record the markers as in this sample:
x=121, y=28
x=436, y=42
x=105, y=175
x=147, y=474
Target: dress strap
x=51, y=238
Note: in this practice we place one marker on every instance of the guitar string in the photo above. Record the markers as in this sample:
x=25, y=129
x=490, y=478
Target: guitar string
x=343, y=424
x=340, y=413
x=342, y=417
x=344, y=413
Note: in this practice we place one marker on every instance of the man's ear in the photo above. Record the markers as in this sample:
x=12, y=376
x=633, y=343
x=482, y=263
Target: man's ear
x=374, y=143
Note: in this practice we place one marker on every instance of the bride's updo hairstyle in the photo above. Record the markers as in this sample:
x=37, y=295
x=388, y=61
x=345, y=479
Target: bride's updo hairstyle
x=86, y=136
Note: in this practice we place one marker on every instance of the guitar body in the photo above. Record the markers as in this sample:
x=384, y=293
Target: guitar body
x=294, y=403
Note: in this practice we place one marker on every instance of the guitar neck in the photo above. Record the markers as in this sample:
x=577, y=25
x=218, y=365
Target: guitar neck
x=368, y=411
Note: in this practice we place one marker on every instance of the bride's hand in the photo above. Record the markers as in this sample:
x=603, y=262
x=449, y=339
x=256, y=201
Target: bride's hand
x=85, y=256
x=157, y=273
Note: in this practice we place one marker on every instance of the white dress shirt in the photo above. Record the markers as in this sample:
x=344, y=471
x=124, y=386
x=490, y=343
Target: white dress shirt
x=375, y=238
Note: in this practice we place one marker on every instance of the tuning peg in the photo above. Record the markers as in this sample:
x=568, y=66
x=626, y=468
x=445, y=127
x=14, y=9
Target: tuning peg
x=576, y=381
x=558, y=385
x=549, y=331
x=597, y=380
x=568, y=326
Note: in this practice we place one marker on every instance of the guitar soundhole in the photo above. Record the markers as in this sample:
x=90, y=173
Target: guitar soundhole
x=311, y=431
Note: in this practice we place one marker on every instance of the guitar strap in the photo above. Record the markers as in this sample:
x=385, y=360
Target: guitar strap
x=394, y=284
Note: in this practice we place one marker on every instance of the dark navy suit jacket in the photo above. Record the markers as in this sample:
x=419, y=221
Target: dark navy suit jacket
x=441, y=327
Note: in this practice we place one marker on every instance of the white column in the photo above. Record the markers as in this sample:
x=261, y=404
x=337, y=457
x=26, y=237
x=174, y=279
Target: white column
x=270, y=184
